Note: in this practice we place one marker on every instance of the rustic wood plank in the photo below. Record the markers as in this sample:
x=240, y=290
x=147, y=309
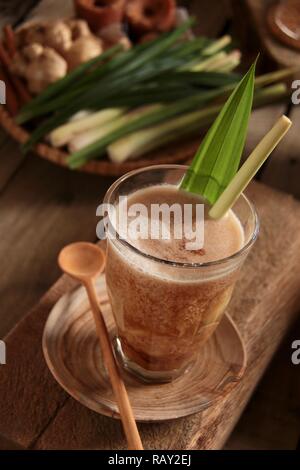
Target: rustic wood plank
x=272, y=418
x=43, y=208
x=5, y=444
x=280, y=53
x=23, y=352
x=283, y=170
x=212, y=435
x=264, y=305
x=10, y=159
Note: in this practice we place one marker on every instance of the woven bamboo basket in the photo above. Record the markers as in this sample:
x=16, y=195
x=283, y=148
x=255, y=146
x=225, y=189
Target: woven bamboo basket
x=176, y=153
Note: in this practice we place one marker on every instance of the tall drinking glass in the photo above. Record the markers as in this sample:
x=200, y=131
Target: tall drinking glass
x=165, y=310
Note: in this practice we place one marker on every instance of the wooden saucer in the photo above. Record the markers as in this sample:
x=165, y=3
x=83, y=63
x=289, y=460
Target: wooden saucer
x=73, y=356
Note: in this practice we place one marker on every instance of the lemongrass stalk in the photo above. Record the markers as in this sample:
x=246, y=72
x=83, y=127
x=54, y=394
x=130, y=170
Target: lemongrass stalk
x=247, y=171
x=271, y=93
x=89, y=136
x=172, y=137
x=217, y=63
x=80, y=115
x=205, y=116
x=216, y=46
x=276, y=76
x=158, y=141
x=65, y=133
x=232, y=65
x=203, y=64
x=138, y=143
x=228, y=60
x=266, y=96
x=233, y=60
x=152, y=116
x=206, y=63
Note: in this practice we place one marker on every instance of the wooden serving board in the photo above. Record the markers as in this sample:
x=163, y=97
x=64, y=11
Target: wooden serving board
x=36, y=413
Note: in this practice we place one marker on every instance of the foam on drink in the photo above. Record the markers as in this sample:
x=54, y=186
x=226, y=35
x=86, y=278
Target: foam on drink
x=222, y=238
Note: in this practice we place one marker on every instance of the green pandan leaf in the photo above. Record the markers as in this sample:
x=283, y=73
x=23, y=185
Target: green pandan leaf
x=218, y=157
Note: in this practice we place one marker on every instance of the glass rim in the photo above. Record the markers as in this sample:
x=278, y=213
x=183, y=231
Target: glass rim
x=180, y=264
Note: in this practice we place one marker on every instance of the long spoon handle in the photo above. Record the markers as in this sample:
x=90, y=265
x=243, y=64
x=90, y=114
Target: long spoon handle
x=126, y=413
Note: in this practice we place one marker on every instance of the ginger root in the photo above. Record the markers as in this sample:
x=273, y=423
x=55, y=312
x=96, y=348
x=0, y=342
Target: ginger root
x=79, y=29
x=40, y=66
x=55, y=34
x=48, y=49
x=83, y=49
x=58, y=36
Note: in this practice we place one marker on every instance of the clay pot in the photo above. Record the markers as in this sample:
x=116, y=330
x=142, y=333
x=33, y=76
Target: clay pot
x=147, y=16
x=100, y=13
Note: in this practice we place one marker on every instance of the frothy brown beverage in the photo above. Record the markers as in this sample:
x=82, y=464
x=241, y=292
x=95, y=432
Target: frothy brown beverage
x=163, y=309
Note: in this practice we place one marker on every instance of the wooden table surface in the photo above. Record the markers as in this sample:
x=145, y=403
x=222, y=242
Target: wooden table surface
x=43, y=207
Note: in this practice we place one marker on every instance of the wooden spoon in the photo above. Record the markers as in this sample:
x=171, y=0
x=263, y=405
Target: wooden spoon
x=85, y=261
